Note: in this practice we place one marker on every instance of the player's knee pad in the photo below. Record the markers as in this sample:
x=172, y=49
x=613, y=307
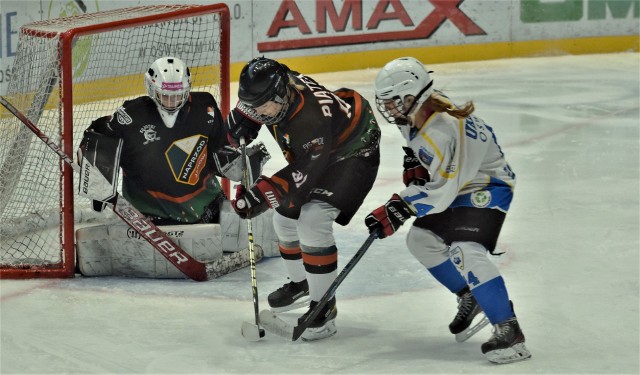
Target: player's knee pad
x=470, y=258
x=427, y=247
x=315, y=225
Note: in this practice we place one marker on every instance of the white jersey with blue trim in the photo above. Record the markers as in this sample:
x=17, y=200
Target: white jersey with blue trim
x=466, y=164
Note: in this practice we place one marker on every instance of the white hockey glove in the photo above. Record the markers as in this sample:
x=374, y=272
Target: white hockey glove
x=228, y=161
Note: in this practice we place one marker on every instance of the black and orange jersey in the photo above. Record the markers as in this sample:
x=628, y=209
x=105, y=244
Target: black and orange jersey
x=321, y=127
x=168, y=172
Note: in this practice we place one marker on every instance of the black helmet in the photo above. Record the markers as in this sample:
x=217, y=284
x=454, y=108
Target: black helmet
x=263, y=80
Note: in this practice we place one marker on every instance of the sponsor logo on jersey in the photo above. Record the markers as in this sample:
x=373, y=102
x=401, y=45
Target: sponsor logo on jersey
x=150, y=134
x=481, y=199
x=314, y=144
x=187, y=157
x=123, y=117
x=320, y=191
x=425, y=156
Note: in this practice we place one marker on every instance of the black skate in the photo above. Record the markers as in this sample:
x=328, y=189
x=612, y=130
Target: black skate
x=289, y=297
x=324, y=325
x=468, y=309
x=506, y=345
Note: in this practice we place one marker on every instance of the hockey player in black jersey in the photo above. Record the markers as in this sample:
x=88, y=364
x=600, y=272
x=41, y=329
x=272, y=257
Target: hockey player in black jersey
x=331, y=142
x=170, y=145
x=168, y=137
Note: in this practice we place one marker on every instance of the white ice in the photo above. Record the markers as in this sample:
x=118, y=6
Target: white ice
x=569, y=128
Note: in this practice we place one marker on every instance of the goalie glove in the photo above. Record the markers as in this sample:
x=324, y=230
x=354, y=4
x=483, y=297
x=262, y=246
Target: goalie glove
x=228, y=161
x=414, y=173
x=238, y=126
x=262, y=196
x=99, y=160
x=387, y=218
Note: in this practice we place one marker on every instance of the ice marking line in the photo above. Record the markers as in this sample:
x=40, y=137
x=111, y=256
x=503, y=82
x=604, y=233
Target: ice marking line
x=21, y=293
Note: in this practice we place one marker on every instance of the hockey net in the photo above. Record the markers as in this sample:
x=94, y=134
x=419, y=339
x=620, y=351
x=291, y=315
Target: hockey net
x=67, y=72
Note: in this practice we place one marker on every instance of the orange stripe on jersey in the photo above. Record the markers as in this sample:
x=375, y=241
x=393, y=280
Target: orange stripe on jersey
x=282, y=182
x=299, y=107
x=320, y=260
x=182, y=199
x=356, y=111
x=290, y=250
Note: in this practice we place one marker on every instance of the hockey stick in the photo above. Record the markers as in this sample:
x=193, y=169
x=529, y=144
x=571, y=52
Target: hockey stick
x=274, y=324
x=192, y=268
x=251, y=332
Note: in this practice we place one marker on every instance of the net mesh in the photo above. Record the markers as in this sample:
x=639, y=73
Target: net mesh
x=109, y=57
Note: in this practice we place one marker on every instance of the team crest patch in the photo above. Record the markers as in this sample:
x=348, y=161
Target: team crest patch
x=187, y=157
x=123, y=117
x=457, y=258
x=425, y=156
x=481, y=199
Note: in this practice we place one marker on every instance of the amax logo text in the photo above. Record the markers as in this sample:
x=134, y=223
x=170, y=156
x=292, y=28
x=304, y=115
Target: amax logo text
x=289, y=15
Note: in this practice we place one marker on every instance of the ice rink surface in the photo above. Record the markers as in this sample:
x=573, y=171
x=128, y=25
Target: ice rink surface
x=569, y=128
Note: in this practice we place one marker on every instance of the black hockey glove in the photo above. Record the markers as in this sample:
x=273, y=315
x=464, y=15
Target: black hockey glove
x=414, y=173
x=262, y=196
x=388, y=218
x=238, y=126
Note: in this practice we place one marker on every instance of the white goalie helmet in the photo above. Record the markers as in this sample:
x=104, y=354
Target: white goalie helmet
x=168, y=83
x=397, y=80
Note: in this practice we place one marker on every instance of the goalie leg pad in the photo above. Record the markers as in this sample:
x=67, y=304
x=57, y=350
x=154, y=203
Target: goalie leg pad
x=234, y=231
x=117, y=250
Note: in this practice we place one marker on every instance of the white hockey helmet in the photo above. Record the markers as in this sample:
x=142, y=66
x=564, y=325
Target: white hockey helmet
x=168, y=83
x=397, y=80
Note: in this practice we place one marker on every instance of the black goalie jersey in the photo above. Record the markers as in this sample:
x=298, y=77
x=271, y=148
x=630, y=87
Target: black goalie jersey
x=167, y=172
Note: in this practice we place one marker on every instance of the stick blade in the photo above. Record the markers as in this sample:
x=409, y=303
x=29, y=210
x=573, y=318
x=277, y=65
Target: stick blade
x=272, y=323
x=251, y=332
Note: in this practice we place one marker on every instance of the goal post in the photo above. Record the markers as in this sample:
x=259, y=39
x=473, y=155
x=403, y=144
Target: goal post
x=66, y=73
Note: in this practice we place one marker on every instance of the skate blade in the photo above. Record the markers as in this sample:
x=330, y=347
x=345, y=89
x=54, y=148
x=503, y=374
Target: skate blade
x=518, y=352
x=472, y=330
x=299, y=303
x=327, y=330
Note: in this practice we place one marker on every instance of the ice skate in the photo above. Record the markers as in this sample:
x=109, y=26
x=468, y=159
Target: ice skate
x=289, y=297
x=468, y=309
x=506, y=345
x=324, y=325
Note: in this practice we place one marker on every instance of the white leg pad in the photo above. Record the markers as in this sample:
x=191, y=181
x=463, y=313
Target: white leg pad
x=117, y=250
x=235, y=236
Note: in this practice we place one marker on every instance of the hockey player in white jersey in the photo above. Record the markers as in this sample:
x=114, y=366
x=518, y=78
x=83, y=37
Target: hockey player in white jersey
x=459, y=186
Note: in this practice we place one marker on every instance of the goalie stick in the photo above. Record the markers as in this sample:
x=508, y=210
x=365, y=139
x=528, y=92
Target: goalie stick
x=275, y=325
x=251, y=332
x=184, y=262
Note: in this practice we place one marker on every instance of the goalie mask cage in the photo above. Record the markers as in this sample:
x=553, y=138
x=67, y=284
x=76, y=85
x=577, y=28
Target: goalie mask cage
x=68, y=72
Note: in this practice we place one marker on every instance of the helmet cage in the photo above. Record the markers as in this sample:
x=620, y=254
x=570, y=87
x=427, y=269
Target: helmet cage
x=254, y=114
x=392, y=109
x=168, y=84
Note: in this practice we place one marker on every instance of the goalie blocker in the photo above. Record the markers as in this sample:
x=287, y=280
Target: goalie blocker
x=117, y=250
